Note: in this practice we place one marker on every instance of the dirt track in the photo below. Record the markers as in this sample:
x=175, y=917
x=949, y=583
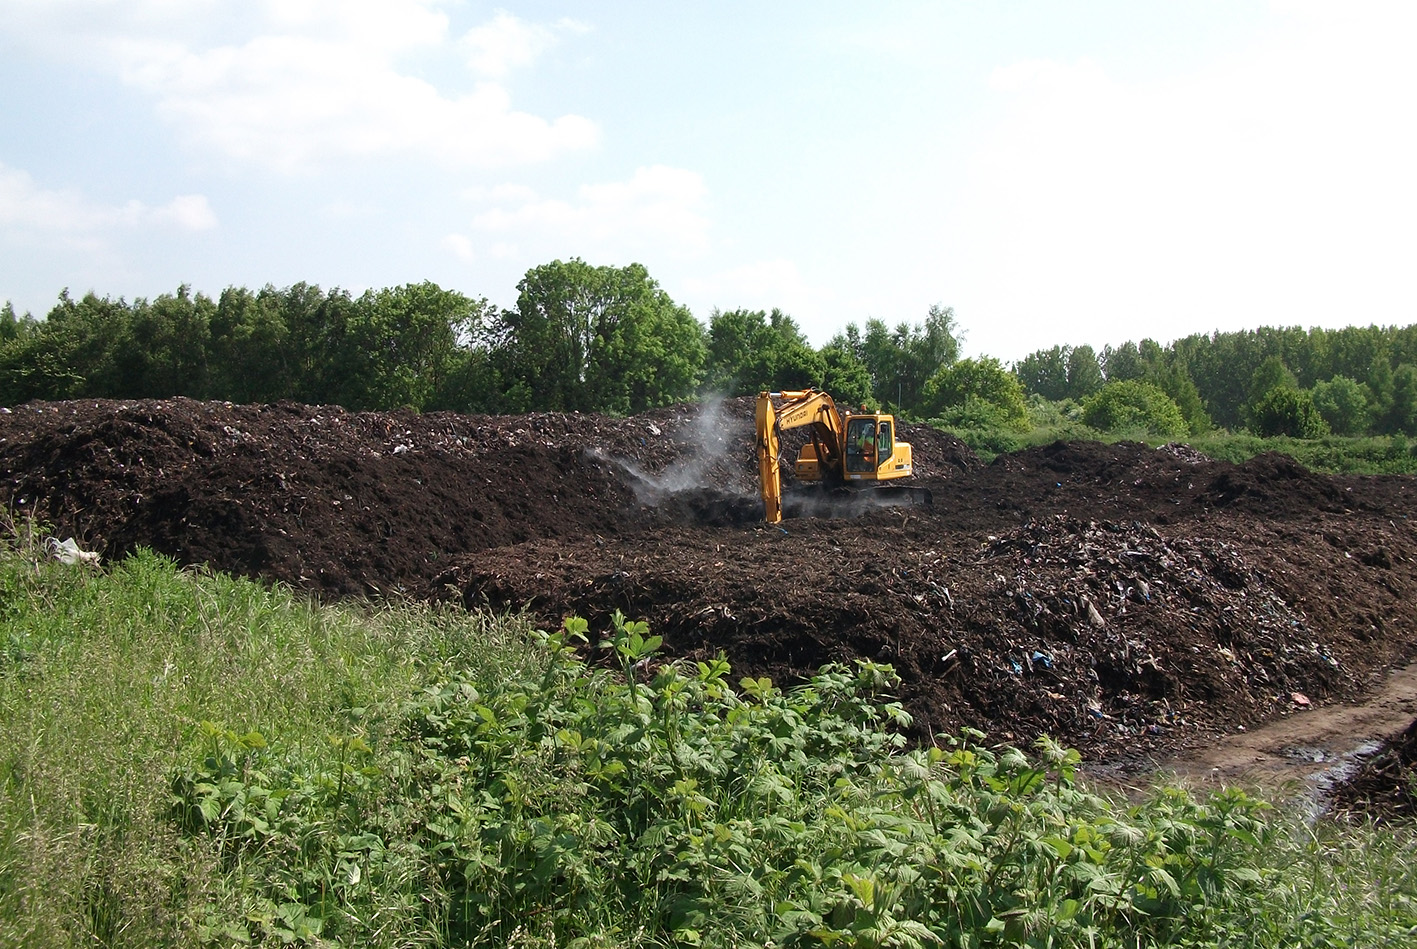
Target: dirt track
x=1133, y=602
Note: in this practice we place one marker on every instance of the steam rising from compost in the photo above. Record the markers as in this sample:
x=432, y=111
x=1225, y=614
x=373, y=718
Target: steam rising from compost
x=689, y=490
x=708, y=445
x=693, y=490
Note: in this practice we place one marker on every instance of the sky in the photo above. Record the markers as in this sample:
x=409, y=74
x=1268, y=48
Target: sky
x=1083, y=172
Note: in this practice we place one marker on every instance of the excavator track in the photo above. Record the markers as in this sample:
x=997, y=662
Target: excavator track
x=843, y=502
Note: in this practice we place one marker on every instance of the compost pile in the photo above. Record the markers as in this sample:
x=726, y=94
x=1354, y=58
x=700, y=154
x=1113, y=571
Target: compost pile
x=1130, y=601
x=1384, y=786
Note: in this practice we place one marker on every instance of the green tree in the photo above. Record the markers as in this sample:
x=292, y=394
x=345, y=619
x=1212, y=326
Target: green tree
x=1132, y=406
x=1343, y=403
x=1286, y=410
x=83, y=348
x=166, y=349
x=967, y=385
x=1272, y=374
x=1063, y=372
x=1084, y=372
x=1400, y=413
x=1045, y=372
x=1171, y=377
x=40, y=365
x=601, y=339
x=902, y=360
x=1123, y=362
x=1354, y=350
x=318, y=324
x=402, y=344
x=473, y=384
x=844, y=375
x=251, y=358
x=14, y=327
x=1379, y=380
x=749, y=351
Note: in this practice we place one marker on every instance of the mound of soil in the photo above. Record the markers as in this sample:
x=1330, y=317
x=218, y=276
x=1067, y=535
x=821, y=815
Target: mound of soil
x=1131, y=601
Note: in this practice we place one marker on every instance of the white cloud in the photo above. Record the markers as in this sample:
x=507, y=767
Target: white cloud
x=386, y=25
x=501, y=194
x=659, y=208
x=506, y=42
x=293, y=103
x=1272, y=187
x=26, y=207
x=190, y=212
x=295, y=84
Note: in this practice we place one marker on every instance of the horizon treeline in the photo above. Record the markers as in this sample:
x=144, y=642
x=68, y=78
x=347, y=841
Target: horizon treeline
x=609, y=339
x=1357, y=380
x=579, y=338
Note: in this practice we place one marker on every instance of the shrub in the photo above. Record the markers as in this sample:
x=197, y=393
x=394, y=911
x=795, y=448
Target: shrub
x=1286, y=411
x=973, y=388
x=1134, y=406
x=1344, y=404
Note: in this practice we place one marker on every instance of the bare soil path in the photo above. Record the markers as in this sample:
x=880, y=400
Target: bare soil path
x=1308, y=749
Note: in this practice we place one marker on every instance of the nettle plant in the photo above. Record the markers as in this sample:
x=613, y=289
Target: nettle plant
x=659, y=804
x=656, y=804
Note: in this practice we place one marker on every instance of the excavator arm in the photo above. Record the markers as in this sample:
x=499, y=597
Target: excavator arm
x=769, y=467
x=800, y=408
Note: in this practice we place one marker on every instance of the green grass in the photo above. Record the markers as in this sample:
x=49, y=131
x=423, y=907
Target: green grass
x=188, y=759
x=105, y=681
x=1331, y=453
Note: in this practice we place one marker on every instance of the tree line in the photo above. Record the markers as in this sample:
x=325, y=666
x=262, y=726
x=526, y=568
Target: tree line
x=579, y=338
x=1271, y=381
x=609, y=339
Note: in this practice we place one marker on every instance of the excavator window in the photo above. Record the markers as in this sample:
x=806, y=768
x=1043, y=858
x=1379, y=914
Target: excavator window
x=884, y=444
x=861, y=445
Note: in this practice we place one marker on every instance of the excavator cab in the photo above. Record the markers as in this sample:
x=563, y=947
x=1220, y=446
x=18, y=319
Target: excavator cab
x=871, y=449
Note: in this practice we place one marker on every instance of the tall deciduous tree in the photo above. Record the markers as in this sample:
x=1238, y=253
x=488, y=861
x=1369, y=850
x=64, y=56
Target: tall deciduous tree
x=1343, y=402
x=12, y=327
x=166, y=352
x=596, y=339
x=1062, y=372
x=1084, y=372
x=900, y=361
x=1287, y=410
x=402, y=344
x=845, y=375
x=750, y=351
x=1120, y=363
x=318, y=323
x=1400, y=413
x=1132, y=406
x=251, y=358
x=1045, y=373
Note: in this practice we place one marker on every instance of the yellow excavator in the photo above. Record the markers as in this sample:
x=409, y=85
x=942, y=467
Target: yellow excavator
x=845, y=450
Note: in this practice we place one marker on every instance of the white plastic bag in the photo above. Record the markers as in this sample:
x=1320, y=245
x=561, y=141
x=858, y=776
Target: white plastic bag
x=67, y=551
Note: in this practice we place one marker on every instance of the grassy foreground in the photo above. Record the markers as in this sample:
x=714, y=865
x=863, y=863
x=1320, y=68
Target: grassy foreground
x=193, y=760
